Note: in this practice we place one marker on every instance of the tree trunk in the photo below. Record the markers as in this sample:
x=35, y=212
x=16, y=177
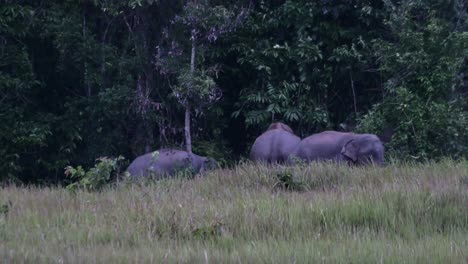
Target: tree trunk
x=85, y=63
x=188, y=137
x=354, y=94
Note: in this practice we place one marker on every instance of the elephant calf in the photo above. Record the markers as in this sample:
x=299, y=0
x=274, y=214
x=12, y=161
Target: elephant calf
x=275, y=144
x=340, y=146
x=167, y=162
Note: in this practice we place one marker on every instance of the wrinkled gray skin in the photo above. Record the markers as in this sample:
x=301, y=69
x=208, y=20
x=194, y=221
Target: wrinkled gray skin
x=275, y=145
x=167, y=163
x=352, y=148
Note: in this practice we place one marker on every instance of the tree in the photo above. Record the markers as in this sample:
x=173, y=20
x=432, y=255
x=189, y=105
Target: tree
x=198, y=25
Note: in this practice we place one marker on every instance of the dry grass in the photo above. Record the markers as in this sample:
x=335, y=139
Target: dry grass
x=327, y=213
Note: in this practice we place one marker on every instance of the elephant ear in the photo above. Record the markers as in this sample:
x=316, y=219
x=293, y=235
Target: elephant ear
x=350, y=150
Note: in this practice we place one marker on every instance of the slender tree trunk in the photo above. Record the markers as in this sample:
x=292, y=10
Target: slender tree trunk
x=85, y=63
x=103, y=51
x=192, y=58
x=188, y=137
x=354, y=93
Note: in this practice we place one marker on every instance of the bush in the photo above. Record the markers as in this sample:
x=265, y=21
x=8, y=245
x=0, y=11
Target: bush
x=421, y=61
x=424, y=130
x=95, y=178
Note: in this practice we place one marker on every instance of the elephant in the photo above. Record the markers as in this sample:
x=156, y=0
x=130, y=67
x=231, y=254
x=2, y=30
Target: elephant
x=347, y=147
x=275, y=144
x=167, y=162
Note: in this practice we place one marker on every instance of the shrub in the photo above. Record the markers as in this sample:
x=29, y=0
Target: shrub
x=95, y=178
x=420, y=63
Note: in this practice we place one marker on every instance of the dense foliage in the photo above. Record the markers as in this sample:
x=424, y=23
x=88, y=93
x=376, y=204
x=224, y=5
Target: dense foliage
x=85, y=79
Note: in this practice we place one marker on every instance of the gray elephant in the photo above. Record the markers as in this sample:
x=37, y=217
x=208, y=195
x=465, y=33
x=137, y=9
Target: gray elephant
x=340, y=147
x=275, y=145
x=167, y=162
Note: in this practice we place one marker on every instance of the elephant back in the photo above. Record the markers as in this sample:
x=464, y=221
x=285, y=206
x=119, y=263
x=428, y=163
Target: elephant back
x=279, y=125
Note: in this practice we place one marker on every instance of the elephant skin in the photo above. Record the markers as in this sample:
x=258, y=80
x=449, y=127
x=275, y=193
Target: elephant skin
x=167, y=163
x=275, y=144
x=340, y=147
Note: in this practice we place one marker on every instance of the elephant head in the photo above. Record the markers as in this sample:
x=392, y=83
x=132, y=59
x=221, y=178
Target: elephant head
x=364, y=149
x=208, y=164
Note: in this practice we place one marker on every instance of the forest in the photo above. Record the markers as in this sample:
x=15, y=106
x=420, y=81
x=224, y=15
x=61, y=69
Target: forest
x=84, y=79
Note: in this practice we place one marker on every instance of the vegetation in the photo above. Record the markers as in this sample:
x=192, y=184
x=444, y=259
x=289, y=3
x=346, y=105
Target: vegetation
x=81, y=80
x=95, y=178
x=405, y=212
x=95, y=81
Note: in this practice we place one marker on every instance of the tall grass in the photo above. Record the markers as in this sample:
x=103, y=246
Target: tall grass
x=399, y=213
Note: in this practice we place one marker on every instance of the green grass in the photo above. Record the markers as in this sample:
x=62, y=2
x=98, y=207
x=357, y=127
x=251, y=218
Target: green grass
x=413, y=213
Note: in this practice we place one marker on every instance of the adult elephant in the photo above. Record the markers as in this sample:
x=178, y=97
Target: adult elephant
x=341, y=147
x=167, y=162
x=275, y=145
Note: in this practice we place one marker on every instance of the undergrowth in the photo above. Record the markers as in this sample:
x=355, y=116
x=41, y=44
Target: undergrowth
x=250, y=213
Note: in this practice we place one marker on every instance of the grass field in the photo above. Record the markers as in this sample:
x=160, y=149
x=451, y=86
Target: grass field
x=413, y=213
